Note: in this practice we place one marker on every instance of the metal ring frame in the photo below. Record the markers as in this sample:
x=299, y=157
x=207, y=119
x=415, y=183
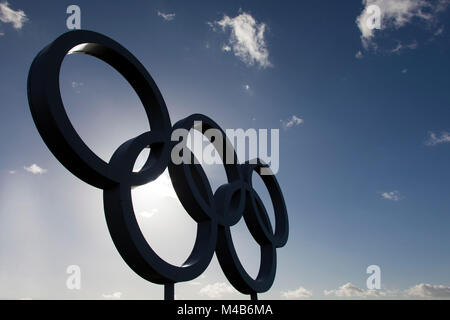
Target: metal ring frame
x=214, y=213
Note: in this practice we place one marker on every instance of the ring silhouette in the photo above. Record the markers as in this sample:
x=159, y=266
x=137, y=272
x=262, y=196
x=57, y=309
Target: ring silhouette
x=214, y=212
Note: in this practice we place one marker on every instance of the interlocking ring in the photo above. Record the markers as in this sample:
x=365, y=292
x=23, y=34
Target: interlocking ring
x=214, y=213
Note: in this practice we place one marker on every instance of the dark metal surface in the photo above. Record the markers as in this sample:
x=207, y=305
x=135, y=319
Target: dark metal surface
x=215, y=213
x=169, y=291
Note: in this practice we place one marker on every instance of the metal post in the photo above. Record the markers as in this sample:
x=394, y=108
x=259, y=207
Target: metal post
x=169, y=291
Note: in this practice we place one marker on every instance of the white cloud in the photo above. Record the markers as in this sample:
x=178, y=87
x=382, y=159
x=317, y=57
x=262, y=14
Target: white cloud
x=148, y=214
x=425, y=290
x=247, y=89
x=246, y=39
x=291, y=122
x=434, y=139
x=299, y=293
x=217, y=290
x=77, y=84
x=350, y=290
x=35, y=169
x=396, y=14
x=405, y=70
x=8, y=15
x=166, y=16
x=393, y=195
x=115, y=295
x=359, y=55
x=12, y=171
x=2, y=33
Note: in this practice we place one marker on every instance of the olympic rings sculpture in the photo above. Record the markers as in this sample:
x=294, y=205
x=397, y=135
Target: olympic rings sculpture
x=214, y=212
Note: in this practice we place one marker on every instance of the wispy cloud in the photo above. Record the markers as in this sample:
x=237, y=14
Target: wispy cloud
x=16, y=17
x=77, y=86
x=35, y=169
x=439, y=31
x=12, y=171
x=359, y=55
x=350, y=290
x=425, y=290
x=246, y=39
x=226, y=48
x=392, y=195
x=291, y=122
x=115, y=295
x=400, y=46
x=300, y=293
x=148, y=214
x=167, y=16
x=434, y=139
x=396, y=14
x=217, y=290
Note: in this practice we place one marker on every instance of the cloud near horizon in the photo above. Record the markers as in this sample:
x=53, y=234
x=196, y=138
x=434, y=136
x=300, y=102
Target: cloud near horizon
x=300, y=293
x=350, y=290
x=115, y=295
x=425, y=290
x=217, y=290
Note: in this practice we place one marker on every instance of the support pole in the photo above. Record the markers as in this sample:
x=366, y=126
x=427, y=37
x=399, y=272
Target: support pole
x=169, y=291
x=254, y=296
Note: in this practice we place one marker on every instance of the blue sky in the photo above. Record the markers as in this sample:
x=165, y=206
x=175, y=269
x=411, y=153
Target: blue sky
x=364, y=142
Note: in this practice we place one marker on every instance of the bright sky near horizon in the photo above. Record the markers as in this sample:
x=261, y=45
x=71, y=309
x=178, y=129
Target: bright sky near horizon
x=364, y=119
